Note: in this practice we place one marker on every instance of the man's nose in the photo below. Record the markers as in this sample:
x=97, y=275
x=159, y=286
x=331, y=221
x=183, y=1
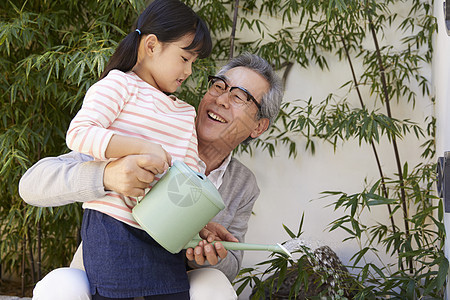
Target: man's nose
x=224, y=99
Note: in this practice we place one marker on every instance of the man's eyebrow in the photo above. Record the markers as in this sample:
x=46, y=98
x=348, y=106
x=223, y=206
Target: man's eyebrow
x=224, y=78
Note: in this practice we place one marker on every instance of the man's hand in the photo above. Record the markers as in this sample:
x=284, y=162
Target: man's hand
x=131, y=175
x=208, y=252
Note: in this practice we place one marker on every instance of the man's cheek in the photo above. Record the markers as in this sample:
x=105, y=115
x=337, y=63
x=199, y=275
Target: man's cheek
x=236, y=132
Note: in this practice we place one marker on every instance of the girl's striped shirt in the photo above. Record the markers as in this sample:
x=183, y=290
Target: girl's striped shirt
x=122, y=103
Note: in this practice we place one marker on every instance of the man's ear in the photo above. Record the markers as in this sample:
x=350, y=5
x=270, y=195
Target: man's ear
x=151, y=42
x=262, y=126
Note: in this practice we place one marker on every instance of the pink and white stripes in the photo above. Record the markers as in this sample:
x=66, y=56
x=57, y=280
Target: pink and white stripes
x=122, y=103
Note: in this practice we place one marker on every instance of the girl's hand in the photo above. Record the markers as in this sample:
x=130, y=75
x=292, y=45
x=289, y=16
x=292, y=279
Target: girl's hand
x=208, y=252
x=161, y=159
x=131, y=175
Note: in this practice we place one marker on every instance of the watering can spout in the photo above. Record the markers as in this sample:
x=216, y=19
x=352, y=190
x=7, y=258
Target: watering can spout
x=278, y=248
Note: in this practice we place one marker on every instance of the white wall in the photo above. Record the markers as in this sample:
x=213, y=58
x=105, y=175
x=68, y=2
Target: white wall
x=290, y=187
x=441, y=84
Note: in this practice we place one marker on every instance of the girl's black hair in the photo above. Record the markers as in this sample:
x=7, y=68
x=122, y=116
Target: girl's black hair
x=169, y=20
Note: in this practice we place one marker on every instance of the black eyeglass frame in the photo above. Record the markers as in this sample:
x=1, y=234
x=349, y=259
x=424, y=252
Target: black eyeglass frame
x=211, y=78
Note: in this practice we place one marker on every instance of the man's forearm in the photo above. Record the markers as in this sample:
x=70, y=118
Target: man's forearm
x=56, y=181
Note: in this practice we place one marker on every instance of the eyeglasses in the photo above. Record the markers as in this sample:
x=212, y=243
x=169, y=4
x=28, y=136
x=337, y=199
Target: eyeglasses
x=238, y=95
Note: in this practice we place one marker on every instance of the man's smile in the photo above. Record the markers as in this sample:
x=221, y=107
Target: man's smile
x=216, y=117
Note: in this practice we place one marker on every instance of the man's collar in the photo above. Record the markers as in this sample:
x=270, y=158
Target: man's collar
x=216, y=175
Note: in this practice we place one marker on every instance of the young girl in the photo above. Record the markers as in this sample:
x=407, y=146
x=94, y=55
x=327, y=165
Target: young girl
x=127, y=112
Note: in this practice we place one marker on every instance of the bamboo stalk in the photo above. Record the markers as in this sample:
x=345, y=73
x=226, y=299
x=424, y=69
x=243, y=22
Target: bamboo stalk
x=31, y=258
x=372, y=144
x=39, y=259
x=23, y=267
x=394, y=141
x=374, y=149
x=233, y=29
x=39, y=229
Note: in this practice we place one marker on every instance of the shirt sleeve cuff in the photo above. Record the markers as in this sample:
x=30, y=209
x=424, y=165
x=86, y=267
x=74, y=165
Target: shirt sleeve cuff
x=91, y=177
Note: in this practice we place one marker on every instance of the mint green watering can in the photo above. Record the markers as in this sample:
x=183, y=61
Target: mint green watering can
x=179, y=206
x=176, y=208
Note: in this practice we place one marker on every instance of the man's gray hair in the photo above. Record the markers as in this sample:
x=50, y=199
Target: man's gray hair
x=271, y=101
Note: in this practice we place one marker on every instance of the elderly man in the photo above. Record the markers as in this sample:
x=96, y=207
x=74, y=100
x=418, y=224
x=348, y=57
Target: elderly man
x=242, y=101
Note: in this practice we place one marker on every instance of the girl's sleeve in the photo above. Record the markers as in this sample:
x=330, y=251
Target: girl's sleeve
x=88, y=132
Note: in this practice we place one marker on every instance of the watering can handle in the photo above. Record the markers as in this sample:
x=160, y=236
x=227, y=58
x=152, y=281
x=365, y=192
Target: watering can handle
x=200, y=175
x=244, y=246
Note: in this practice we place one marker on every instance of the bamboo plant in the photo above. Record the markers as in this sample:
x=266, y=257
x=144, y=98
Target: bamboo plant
x=414, y=234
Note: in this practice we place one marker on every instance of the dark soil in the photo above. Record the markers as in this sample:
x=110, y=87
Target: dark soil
x=12, y=288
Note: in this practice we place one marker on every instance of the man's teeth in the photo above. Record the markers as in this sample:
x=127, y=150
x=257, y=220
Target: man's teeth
x=216, y=117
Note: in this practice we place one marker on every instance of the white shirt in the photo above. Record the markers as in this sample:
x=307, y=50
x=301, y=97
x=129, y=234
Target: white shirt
x=216, y=175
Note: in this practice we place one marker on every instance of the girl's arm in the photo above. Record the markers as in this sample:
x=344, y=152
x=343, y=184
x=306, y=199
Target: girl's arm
x=120, y=146
x=88, y=132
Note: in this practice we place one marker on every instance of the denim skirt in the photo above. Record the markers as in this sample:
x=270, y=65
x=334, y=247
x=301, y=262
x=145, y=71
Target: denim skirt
x=123, y=262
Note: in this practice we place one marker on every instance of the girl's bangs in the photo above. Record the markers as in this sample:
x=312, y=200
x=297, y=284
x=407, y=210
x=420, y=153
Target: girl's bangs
x=201, y=43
